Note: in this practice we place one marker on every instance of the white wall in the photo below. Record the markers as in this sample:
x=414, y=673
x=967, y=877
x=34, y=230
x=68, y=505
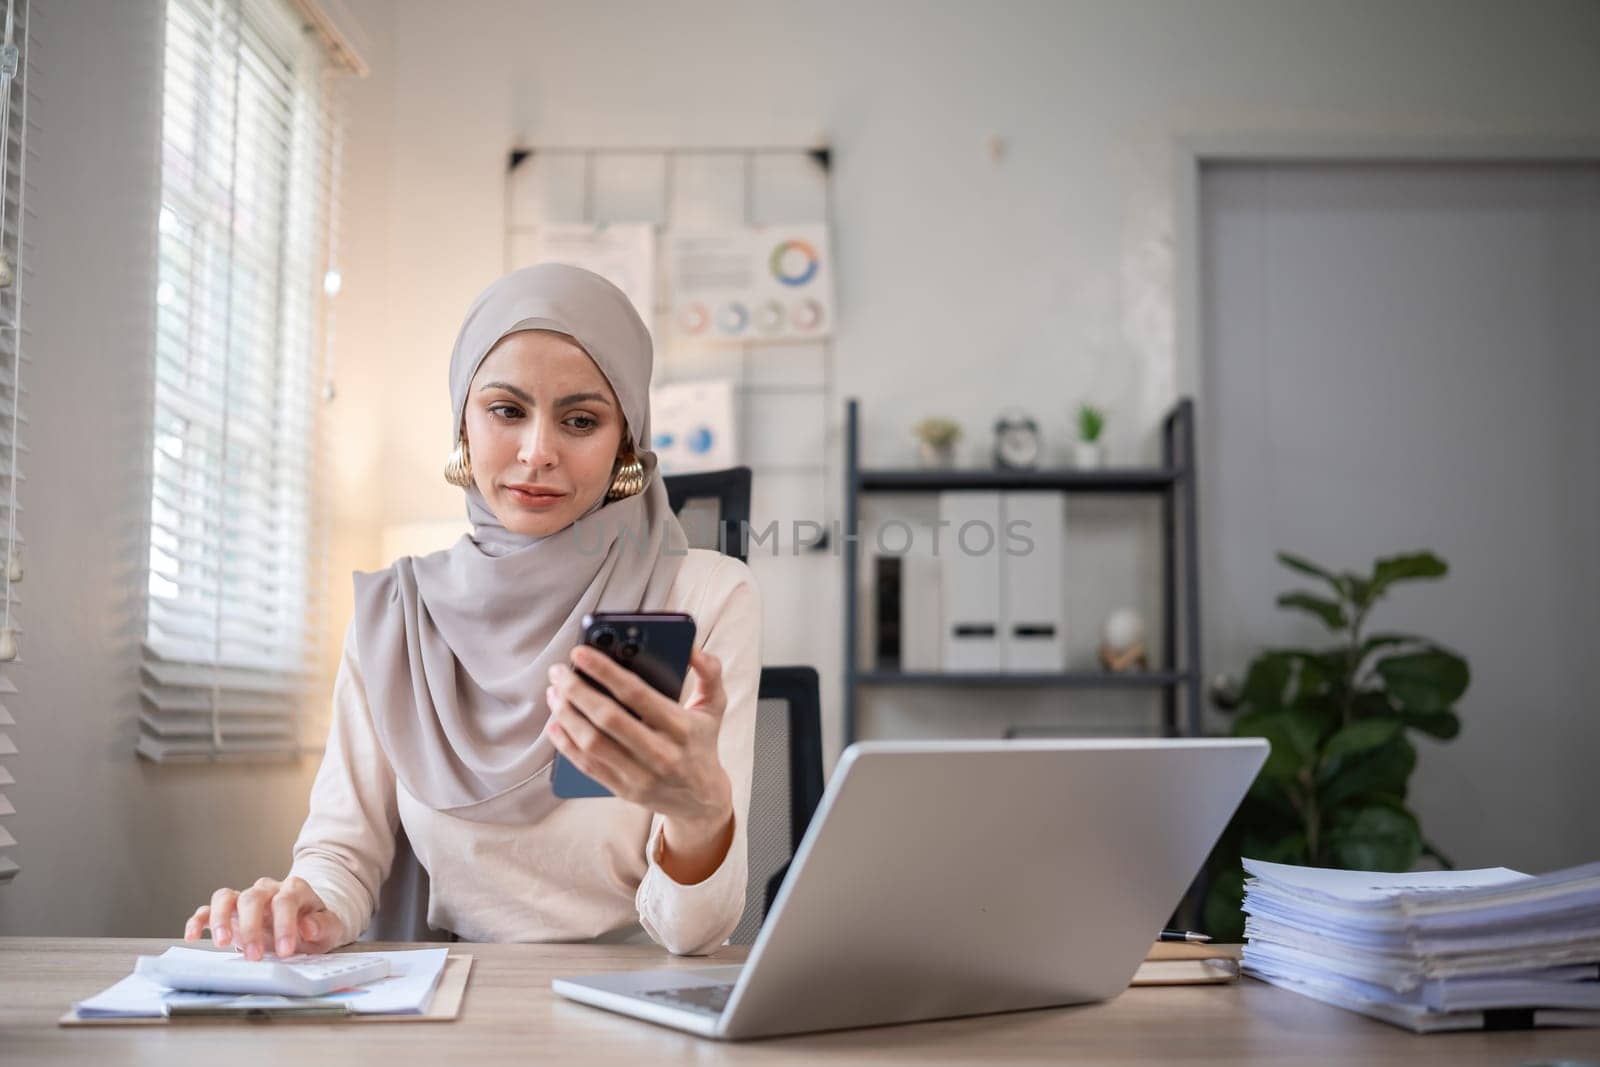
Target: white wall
x=1052, y=273
x=964, y=285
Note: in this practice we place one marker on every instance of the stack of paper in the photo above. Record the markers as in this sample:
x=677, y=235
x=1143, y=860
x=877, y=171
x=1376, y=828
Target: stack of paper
x=1434, y=950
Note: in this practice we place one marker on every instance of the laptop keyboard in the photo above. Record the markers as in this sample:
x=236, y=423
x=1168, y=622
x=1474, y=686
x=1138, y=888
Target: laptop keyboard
x=707, y=999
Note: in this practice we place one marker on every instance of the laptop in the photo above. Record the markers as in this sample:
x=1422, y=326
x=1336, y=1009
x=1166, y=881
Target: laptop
x=947, y=878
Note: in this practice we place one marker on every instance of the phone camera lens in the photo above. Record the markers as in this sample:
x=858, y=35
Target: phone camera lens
x=629, y=650
x=604, y=638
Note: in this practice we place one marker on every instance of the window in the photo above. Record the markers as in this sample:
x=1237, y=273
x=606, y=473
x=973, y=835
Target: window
x=235, y=617
x=14, y=75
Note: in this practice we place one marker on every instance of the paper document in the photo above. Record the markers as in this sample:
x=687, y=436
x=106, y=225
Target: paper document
x=1430, y=950
x=413, y=975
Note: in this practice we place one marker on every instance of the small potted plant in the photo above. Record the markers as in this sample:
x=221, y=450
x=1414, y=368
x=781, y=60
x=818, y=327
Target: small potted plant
x=1088, y=452
x=937, y=437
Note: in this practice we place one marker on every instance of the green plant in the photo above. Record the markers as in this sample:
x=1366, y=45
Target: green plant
x=938, y=431
x=1332, y=793
x=1091, y=421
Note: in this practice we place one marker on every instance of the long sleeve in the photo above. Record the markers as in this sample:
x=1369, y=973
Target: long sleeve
x=696, y=919
x=346, y=845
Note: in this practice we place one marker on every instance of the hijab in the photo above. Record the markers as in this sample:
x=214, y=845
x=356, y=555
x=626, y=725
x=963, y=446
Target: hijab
x=455, y=646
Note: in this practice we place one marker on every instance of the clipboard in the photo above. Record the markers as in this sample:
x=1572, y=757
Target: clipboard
x=1178, y=963
x=444, y=1007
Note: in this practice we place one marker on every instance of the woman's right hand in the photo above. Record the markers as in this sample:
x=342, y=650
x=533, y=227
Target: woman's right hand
x=286, y=917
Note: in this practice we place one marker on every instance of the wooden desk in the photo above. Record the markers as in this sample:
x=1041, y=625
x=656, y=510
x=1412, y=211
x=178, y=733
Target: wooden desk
x=510, y=1015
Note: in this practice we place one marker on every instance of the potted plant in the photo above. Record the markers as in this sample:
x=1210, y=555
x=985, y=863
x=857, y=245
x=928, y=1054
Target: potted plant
x=937, y=437
x=1088, y=453
x=1340, y=719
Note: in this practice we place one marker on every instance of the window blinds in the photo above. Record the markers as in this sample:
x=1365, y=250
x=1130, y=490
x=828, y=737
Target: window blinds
x=15, y=60
x=237, y=541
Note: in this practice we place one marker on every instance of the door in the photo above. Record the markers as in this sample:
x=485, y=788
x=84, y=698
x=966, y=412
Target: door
x=1398, y=357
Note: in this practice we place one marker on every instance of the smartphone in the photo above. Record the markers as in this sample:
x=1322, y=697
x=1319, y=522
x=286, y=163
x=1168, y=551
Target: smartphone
x=655, y=645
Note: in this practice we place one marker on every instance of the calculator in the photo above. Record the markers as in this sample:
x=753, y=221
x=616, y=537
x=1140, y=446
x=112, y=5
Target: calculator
x=290, y=976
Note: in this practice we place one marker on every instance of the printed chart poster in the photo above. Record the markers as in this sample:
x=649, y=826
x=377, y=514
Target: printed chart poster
x=692, y=426
x=623, y=253
x=754, y=283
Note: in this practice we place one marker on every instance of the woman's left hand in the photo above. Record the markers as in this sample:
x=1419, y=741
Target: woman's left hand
x=665, y=760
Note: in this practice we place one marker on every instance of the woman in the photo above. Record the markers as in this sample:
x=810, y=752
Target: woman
x=456, y=691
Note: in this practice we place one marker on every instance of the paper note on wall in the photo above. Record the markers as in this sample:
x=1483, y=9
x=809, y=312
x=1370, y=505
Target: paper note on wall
x=692, y=426
x=752, y=283
x=623, y=253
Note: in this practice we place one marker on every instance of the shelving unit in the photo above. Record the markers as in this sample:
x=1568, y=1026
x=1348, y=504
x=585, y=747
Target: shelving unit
x=1173, y=482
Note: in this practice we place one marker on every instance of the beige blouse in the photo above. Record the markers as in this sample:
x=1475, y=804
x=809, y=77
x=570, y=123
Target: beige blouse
x=587, y=870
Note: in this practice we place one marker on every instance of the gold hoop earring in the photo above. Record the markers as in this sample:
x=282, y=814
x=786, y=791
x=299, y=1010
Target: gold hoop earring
x=458, y=468
x=628, y=480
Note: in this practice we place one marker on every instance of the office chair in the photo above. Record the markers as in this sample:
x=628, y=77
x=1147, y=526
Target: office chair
x=401, y=913
x=786, y=782
x=785, y=788
x=722, y=495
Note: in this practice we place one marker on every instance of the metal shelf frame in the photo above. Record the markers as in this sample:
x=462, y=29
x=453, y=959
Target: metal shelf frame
x=1173, y=482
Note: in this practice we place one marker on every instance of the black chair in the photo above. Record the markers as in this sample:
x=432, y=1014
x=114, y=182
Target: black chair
x=726, y=494
x=785, y=788
x=786, y=783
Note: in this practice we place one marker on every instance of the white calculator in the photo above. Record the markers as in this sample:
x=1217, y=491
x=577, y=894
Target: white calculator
x=291, y=976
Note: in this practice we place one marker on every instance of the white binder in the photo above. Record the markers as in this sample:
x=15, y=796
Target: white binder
x=1032, y=615
x=971, y=582
x=921, y=615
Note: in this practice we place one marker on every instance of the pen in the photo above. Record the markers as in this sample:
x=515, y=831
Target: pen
x=1182, y=935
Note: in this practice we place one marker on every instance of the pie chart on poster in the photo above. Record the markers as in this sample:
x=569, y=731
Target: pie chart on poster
x=733, y=317
x=770, y=318
x=794, y=262
x=807, y=315
x=694, y=318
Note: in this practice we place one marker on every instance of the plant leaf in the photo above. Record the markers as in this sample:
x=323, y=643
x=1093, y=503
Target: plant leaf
x=1355, y=588
x=1331, y=614
x=1409, y=567
x=1377, y=837
x=1307, y=726
x=1353, y=740
x=1269, y=805
x=1305, y=566
x=1427, y=681
x=1384, y=770
x=1441, y=724
x=1285, y=760
x=1377, y=641
x=1292, y=730
x=1370, y=702
x=1266, y=680
x=1320, y=673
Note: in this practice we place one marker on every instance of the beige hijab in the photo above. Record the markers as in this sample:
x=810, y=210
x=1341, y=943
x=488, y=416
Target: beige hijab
x=454, y=646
